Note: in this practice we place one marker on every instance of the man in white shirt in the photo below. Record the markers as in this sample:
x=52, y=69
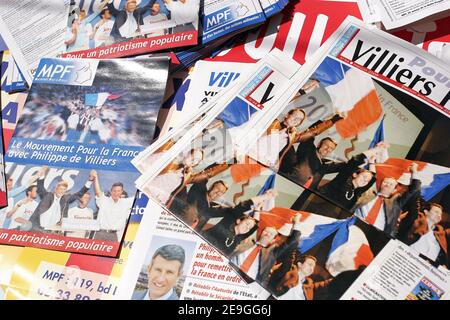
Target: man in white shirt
x=79, y=34
x=184, y=13
x=22, y=211
x=81, y=211
x=155, y=17
x=127, y=21
x=163, y=272
x=102, y=30
x=113, y=211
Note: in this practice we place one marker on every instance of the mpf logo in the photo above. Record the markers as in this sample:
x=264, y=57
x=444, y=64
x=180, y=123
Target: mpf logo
x=219, y=18
x=54, y=71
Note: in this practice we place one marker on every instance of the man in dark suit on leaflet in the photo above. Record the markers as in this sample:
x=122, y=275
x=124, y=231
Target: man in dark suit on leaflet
x=257, y=260
x=308, y=164
x=128, y=20
x=381, y=206
x=420, y=228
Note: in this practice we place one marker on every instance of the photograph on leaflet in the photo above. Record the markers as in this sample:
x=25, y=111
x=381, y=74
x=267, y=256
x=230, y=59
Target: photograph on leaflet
x=116, y=28
x=163, y=273
x=244, y=212
x=212, y=139
x=86, y=124
x=363, y=146
x=93, y=208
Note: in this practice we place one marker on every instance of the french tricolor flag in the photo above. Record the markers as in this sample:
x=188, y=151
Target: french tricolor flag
x=434, y=178
x=98, y=99
x=351, y=91
x=349, y=249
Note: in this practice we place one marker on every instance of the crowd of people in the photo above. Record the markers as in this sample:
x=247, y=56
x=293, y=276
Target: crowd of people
x=66, y=117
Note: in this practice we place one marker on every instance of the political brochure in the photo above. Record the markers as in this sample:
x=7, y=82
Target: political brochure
x=33, y=29
x=394, y=14
x=193, y=270
x=101, y=29
x=247, y=208
x=69, y=158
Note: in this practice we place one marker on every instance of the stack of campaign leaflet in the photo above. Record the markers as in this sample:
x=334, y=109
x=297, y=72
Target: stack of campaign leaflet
x=315, y=182
x=304, y=159
x=223, y=22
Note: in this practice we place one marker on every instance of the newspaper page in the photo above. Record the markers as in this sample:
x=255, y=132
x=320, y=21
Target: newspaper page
x=69, y=159
x=399, y=274
x=192, y=269
x=396, y=14
x=33, y=29
x=431, y=36
x=101, y=29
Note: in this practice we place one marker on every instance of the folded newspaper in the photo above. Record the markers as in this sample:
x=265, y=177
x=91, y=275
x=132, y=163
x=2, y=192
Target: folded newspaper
x=284, y=214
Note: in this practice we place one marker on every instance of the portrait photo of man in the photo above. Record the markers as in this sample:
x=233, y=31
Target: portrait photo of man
x=163, y=273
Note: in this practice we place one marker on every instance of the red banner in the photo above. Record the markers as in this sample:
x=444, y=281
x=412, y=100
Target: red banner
x=59, y=243
x=137, y=46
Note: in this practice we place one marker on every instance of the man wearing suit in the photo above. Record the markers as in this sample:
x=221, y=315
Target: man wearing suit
x=258, y=260
x=382, y=207
x=421, y=230
x=54, y=205
x=164, y=271
x=127, y=21
x=297, y=283
x=309, y=163
x=203, y=198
